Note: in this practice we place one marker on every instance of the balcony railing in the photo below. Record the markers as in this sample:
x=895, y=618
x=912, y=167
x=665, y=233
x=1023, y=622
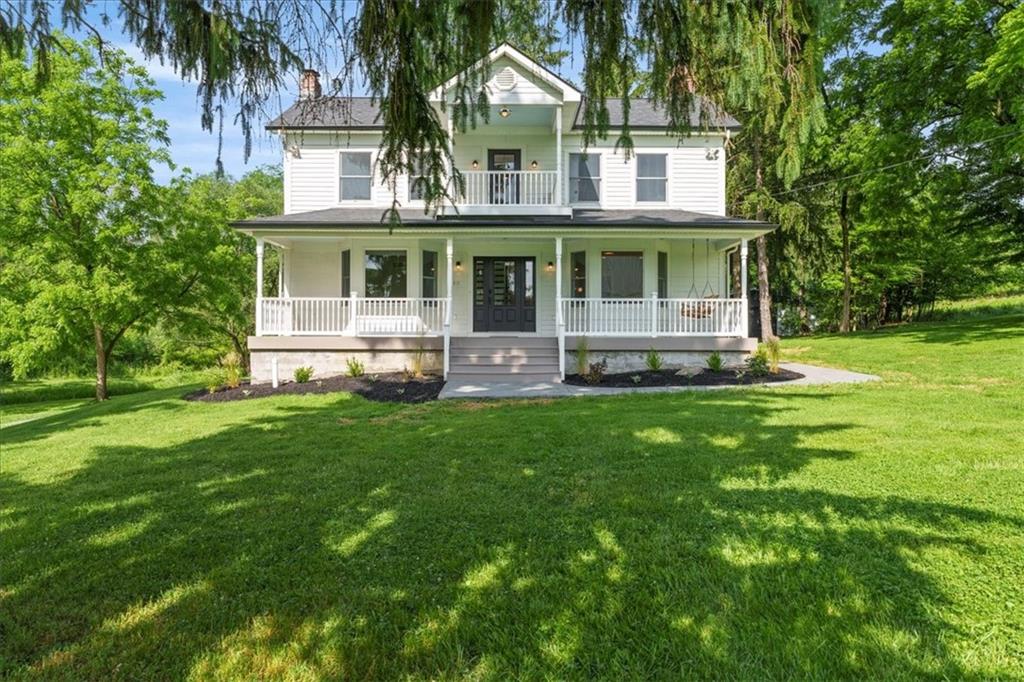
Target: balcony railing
x=653, y=316
x=510, y=188
x=353, y=316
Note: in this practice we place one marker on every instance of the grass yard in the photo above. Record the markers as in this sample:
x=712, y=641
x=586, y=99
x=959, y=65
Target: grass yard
x=830, y=532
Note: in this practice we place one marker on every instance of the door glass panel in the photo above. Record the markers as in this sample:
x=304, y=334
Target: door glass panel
x=528, y=283
x=504, y=282
x=478, y=282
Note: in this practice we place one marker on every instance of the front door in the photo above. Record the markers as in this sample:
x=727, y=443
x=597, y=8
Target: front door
x=504, y=186
x=504, y=295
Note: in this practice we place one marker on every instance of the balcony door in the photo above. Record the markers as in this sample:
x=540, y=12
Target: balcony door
x=504, y=295
x=504, y=186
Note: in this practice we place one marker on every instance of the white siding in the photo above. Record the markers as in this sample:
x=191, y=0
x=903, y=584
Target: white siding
x=695, y=167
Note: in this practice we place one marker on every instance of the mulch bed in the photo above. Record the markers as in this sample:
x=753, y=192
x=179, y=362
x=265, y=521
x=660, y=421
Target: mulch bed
x=386, y=388
x=668, y=377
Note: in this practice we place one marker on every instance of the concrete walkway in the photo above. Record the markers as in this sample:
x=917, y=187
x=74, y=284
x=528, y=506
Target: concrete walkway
x=813, y=376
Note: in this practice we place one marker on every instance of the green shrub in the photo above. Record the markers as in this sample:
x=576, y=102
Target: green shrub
x=595, y=372
x=773, y=349
x=355, y=367
x=582, y=355
x=231, y=367
x=653, y=360
x=715, y=362
x=303, y=374
x=757, y=363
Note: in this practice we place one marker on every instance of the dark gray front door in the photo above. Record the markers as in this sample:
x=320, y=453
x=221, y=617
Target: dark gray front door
x=504, y=187
x=504, y=294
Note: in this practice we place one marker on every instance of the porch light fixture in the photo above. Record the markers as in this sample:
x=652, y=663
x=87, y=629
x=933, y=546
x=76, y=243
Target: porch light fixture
x=475, y=164
x=458, y=266
x=534, y=165
x=504, y=112
x=550, y=267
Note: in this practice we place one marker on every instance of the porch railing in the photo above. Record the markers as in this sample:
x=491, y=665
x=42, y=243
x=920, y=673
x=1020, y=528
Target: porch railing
x=353, y=316
x=653, y=316
x=510, y=188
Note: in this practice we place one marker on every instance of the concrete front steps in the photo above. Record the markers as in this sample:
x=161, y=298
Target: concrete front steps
x=504, y=359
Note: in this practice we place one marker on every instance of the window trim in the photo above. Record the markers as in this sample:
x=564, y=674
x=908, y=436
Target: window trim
x=337, y=175
x=366, y=284
x=637, y=177
x=600, y=185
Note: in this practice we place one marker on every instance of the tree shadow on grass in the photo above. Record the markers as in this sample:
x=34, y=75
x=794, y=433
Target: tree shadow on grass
x=620, y=537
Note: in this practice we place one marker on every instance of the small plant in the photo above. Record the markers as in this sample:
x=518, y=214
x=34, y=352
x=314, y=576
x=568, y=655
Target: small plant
x=653, y=360
x=757, y=364
x=773, y=350
x=636, y=378
x=303, y=374
x=582, y=355
x=595, y=372
x=715, y=362
x=354, y=367
x=231, y=366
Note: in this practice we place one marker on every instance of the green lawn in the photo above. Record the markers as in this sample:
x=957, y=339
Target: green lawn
x=832, y=532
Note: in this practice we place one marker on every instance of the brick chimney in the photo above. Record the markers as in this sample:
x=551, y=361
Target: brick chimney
x=309, y=85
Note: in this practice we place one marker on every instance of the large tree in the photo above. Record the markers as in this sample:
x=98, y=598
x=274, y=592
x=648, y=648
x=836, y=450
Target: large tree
x=90, y=245
x=247, y=50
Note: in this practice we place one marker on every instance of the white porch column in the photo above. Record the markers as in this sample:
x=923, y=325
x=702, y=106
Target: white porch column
x=558, y=155
x=259, y=286
x=559, y=322
x=743, y=287
x=449, y=251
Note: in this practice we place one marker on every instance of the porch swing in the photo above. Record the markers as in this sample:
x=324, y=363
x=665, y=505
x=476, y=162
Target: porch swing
x=701, y=310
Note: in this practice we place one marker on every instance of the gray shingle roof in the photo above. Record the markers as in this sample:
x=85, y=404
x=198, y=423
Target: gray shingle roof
x=644, y=113
x=366, y=218
x=362, y=113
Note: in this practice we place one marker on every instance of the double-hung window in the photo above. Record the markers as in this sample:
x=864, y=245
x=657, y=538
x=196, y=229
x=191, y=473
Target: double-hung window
x=622, y=274
x=386, y=274
x=651, y=177
x=584, y=178
x=356, y=175
x=416, y=179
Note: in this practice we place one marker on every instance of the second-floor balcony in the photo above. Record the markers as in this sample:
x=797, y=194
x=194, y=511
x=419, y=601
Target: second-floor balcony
x=511, y=188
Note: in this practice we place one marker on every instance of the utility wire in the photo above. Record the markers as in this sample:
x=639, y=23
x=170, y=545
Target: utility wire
x=929, y=155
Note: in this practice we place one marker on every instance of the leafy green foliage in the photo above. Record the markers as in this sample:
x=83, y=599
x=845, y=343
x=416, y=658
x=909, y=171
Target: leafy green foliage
x=715, y=362
x=355, y=367
x=303, y=374
x=95, y=247
x=653, y=360
x=758, y=364
x=595, y=372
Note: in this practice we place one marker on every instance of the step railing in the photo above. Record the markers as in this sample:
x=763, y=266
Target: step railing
x=307, y=316
x=653, y=316
x=510, y=188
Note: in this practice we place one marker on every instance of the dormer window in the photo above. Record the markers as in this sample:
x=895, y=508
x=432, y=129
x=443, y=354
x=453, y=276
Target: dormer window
x=356, y=174
x=651, y=177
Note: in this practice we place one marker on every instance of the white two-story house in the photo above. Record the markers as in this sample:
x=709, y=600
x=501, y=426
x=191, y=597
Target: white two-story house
x=548, y=243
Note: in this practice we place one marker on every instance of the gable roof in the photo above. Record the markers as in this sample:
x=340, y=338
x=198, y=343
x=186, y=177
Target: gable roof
x=569, y=91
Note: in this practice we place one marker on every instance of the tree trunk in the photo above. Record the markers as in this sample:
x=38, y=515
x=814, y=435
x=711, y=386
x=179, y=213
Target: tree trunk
x=243, y=353
x=844, y=222
x=101, y=364
x=801, y=306
x=764, y=297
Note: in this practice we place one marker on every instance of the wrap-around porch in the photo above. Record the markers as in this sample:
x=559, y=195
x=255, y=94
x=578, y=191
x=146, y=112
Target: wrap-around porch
x=421, y=292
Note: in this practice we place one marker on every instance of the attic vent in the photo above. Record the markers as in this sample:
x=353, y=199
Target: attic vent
x=506, y=78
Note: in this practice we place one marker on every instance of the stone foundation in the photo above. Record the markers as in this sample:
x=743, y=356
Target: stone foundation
x=332, y=363
x=633, y=361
